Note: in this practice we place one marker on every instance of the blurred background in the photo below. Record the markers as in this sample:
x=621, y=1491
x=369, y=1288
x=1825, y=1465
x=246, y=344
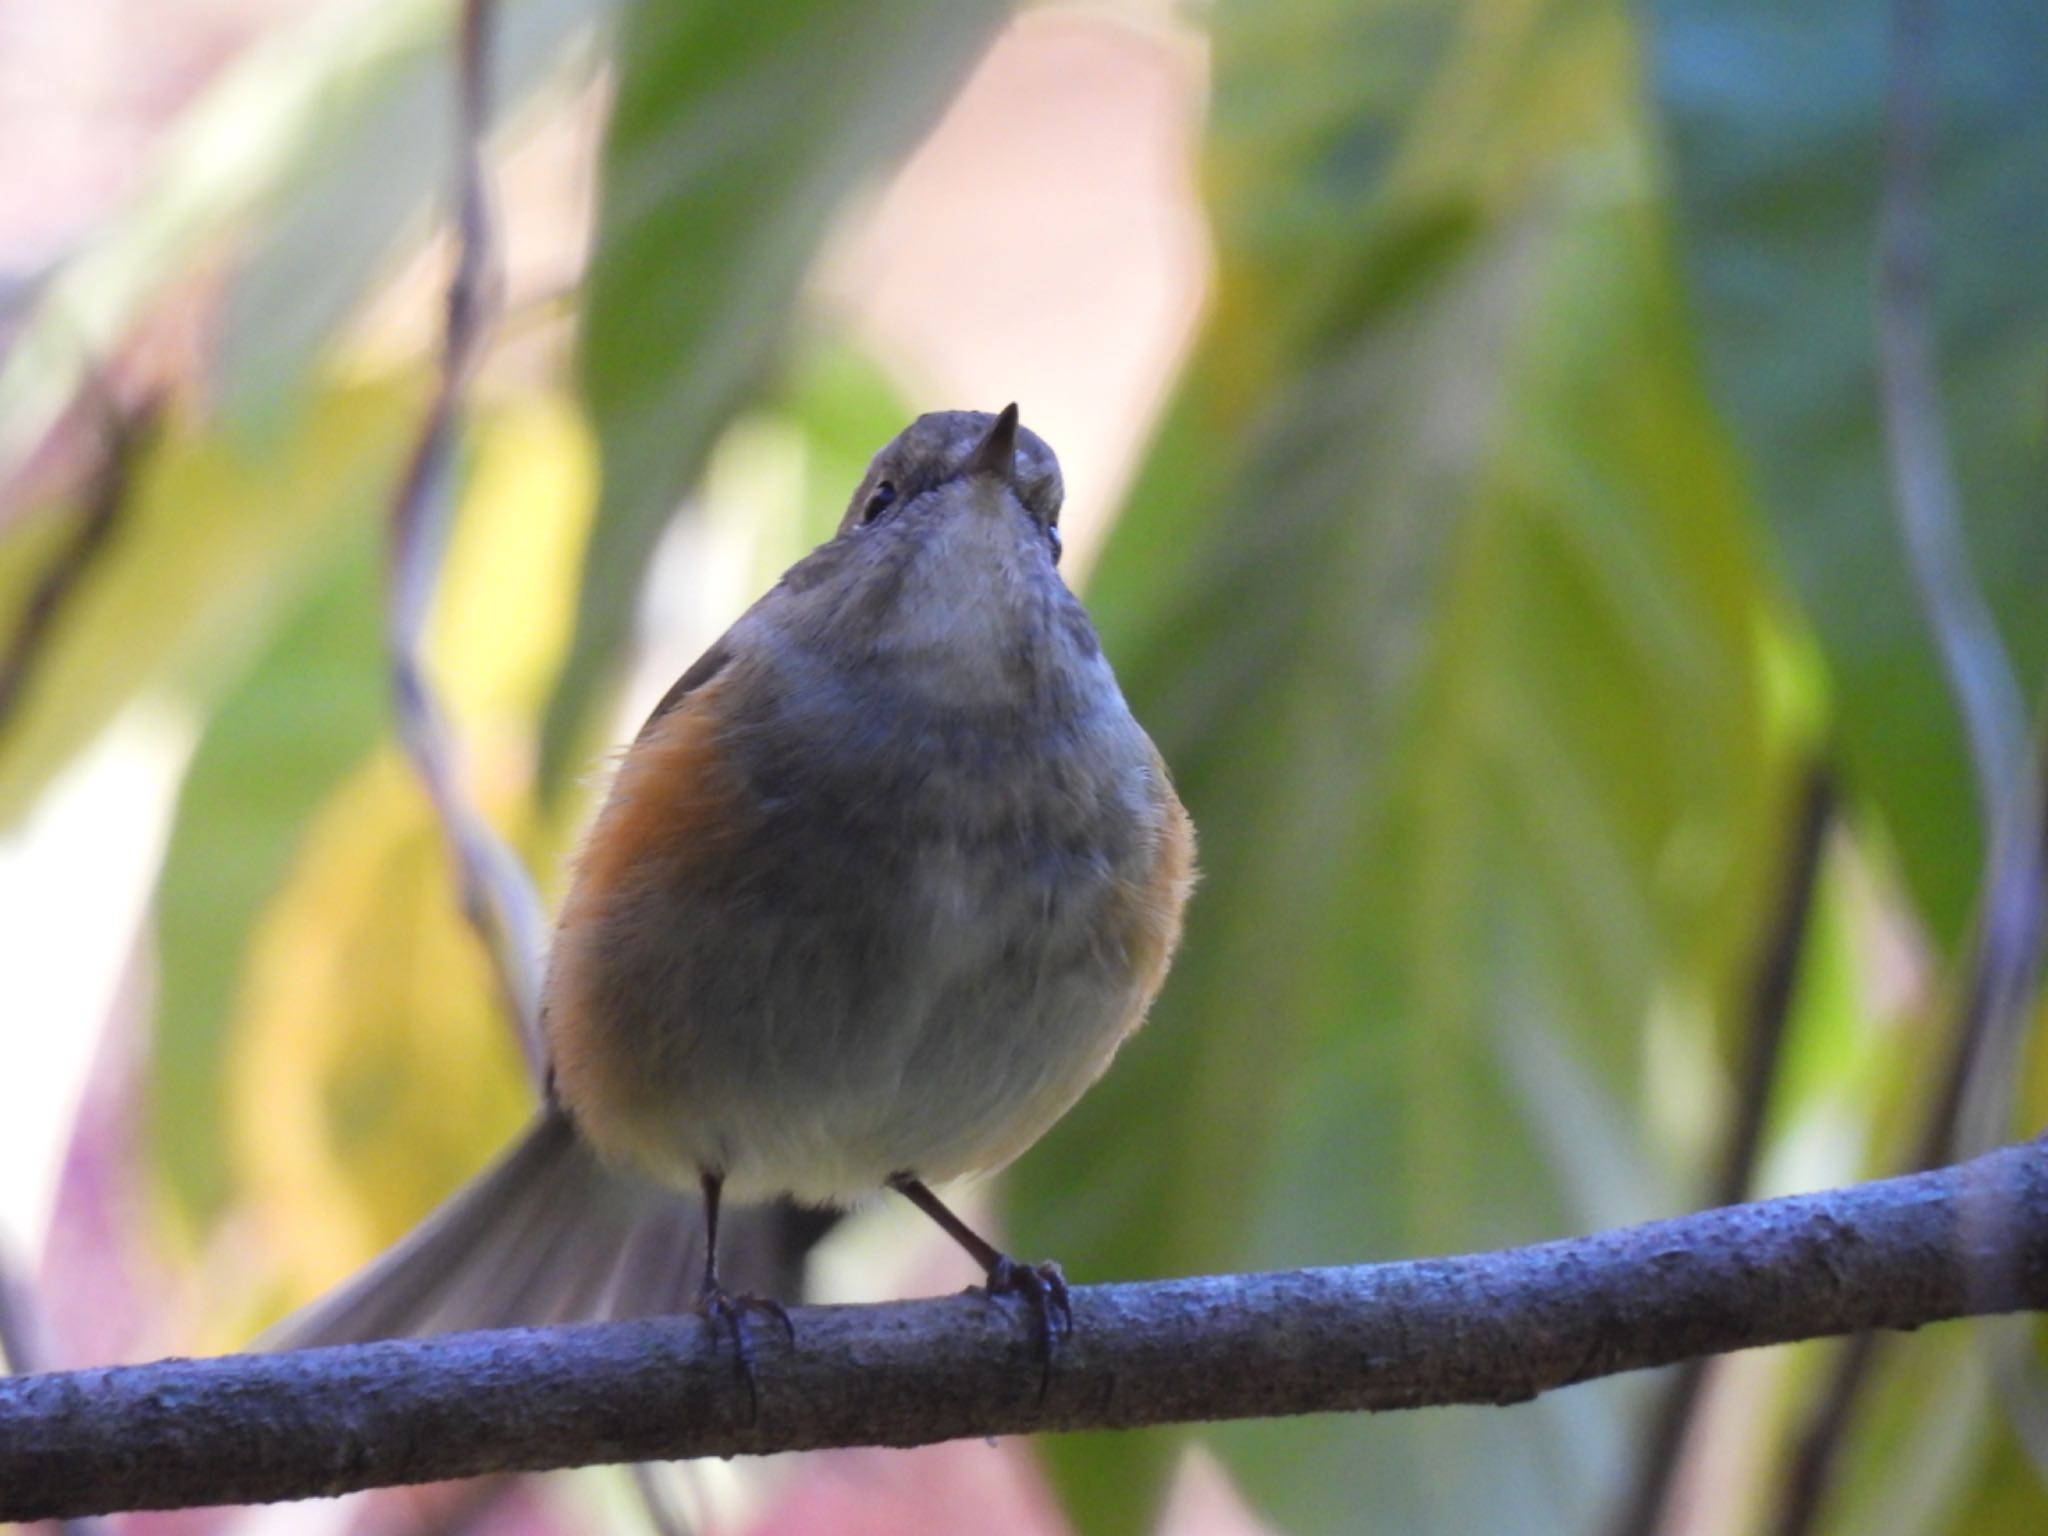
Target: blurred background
x=1495, y=431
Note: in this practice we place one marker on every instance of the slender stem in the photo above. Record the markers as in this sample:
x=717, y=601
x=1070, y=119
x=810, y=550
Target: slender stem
x=2005, y=954
x=1925, y=499
x=2005, y=962
x=125, y=434
x=1647, y=1505
x=497, y=896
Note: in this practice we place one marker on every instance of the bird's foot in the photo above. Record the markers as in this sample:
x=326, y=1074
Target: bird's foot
x=726, y=1313
x=1044, y=1289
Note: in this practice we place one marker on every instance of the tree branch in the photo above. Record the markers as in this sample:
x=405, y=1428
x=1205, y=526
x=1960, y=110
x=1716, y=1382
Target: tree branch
x=1489, y=1328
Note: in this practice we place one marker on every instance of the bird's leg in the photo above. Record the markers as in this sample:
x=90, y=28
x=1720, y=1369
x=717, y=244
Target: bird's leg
x=723, y=1311
x=1042, y=1286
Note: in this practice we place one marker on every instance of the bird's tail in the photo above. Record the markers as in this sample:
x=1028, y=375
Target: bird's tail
x=547, y=1234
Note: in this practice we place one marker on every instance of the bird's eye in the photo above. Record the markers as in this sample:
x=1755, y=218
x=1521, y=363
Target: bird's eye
x=1052, y=535
x=881, y=501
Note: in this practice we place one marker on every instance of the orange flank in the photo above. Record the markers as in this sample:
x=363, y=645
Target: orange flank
x=677, y=801
x=1148, y=916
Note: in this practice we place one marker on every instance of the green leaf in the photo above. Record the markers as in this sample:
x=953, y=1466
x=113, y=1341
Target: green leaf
x=317, y=147
x=309, y=709
x=215, y=543
x=736, y=134
x=1773, y=117
x=1438, y=597
x=372, y=149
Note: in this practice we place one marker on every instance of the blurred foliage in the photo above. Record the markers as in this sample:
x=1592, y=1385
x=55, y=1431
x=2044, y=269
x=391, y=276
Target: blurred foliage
x=316, y=149
x=700, y=253
x=1516, y=535
x=310, y=708
x=1460, y=681
x=1773, y=121
x=371, y=149
x=306, y=718
x=369, y=1071
x=209, y=552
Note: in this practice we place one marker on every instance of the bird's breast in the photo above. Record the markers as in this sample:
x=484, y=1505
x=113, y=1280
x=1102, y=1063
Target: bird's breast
x=827, y=913
x=901, y=789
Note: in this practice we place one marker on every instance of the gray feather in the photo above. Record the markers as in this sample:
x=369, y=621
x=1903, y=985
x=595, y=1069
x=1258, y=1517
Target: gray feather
x=549, y=1234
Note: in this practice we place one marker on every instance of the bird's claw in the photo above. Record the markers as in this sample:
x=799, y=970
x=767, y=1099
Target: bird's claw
x=1044, y=1289
x=727, y=1313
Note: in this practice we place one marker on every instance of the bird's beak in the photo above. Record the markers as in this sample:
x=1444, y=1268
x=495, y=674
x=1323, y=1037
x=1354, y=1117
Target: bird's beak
x=997, y=453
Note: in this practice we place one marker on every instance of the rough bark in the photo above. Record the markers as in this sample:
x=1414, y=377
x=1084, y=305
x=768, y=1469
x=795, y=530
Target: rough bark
x=1488, y=1328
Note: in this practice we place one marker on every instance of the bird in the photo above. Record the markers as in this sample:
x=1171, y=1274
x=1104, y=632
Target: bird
x=876, y=893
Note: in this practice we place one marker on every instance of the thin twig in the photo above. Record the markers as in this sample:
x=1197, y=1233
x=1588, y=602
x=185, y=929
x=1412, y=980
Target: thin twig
x=2005, y=953
x=1495, y=1328
x=497, y=896
x=1925, y=499
x=2005, y=962
x=2011, y=944
x=1646, y=1508
x=124, y=432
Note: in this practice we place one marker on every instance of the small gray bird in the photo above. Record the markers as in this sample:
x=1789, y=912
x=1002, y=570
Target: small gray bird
x=877, y=892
